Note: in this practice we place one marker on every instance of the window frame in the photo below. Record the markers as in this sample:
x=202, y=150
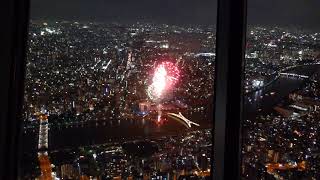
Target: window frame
x=15, y=18
x=230, y=50
x=231, y=40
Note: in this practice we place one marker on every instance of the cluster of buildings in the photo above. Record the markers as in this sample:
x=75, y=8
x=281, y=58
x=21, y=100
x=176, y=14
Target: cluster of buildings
x=182, y=156
x=284, y=144
x=271, y=50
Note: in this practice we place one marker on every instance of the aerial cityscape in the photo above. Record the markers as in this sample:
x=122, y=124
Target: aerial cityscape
x=135, y=101
x=112, y=101
x=281, y=121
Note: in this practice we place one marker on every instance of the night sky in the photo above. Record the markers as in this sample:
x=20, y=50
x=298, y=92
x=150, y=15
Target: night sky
x=303, y=13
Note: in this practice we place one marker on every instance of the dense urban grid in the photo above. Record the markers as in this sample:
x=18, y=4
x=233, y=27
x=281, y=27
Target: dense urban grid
x=90, y=109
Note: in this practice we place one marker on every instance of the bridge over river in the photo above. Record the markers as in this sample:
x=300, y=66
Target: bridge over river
x=183, y=120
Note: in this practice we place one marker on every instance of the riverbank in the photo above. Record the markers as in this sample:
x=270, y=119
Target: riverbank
x=278, y=75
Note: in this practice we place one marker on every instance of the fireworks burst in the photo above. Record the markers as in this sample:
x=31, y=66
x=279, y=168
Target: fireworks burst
x=166, y=75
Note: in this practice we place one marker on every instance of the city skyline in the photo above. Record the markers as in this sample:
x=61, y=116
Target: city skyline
x=288, y=13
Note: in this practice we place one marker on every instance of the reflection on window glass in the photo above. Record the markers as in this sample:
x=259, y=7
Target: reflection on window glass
x=282, y=101
x=119, y=90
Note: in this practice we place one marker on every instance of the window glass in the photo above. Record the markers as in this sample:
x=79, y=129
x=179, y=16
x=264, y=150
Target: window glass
x=119, y=90
x=281, y=110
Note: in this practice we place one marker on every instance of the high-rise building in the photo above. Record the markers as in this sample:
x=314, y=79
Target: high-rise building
x=203, y=162
x=67, y=171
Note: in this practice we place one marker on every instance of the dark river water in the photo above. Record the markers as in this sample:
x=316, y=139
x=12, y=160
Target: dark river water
x=261, y=102
x=125, y=129
x=117, y=130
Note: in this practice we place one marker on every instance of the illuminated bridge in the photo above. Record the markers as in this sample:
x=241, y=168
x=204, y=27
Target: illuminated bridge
x=183, y=119
x=294, y=75
x=43, y=132
x=43, y=157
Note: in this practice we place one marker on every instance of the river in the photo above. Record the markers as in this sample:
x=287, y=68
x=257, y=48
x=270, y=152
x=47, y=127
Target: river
x=262, y=102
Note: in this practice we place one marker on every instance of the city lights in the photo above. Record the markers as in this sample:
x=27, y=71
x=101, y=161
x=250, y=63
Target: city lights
x=120, y=98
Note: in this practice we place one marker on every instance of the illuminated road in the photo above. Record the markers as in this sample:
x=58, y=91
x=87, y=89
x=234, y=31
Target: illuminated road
x=184, y=119
x=272, y=167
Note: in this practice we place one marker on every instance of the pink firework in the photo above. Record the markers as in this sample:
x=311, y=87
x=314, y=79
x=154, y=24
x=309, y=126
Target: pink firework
x=173, y=72
x=166, y=75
